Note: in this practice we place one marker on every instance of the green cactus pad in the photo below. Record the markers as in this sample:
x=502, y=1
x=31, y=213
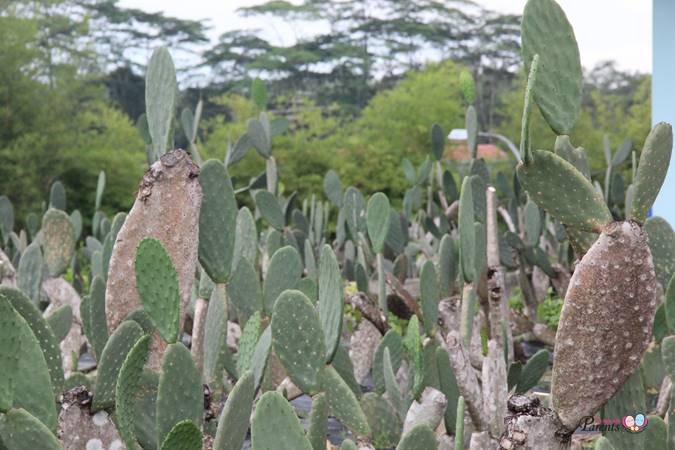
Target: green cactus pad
x=330, y=301
x=184, y=436
x=30, y=386
x=269, y=208
x=378, y=220
x=467, y=235
x=651, y=172
x=546, y=32
x=447, y=266
x=30, y=272
x=6, y=217
x=275, y=425
x=58, y=241
x=343, y=402
x=414, y=350
x=429, y=295
x=145, y=423
x=343, y=364
x=348, y=444
x=128, y=384
x=157, y=287
x=662, y=247
x=298, y=339
x=532, y=371
x=60, y=321
x=630, y=399
x=244, y=288
x=318, y=422
x=383, y=420
x=57, y=196
x=459, y=426
x=670, y=304
x=246, y=238
x=560, y=189
x=437, y=141
x=215, y=336
x=391, y=387
x=533, y=223
x=217, y=221
x=471, y=124
x=160, y=97
x=283, y=273
x=261, y=356
x=20, y=430
x=180, y=395
x=420, y=437
x=656, y=433
x=10, y=352
x=668, y=354
x=110, y=362
x=248, y=341
x=97, y=318
x=467, y=86
x=41, y=330
x=333, y=188
x=354, y=206
x=448, y=385
x=392, y=341
x=234, y=419
x=575, y=156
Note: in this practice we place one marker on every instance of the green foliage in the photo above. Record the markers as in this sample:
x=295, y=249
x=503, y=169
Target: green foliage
x=421, y=437
x=330, y=301
x=343, y=403
x=128, y=385
x=184, y=436
x=215, y=336
x=58, y=241
x=548, y=311
x=318, y=422
x=19, y=430
x=532, y=371
x=160, y=98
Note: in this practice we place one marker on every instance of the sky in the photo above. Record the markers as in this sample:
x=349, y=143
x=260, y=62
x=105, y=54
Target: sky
x=620, y=30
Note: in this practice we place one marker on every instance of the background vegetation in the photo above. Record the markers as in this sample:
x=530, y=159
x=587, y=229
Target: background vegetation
x=360, y=96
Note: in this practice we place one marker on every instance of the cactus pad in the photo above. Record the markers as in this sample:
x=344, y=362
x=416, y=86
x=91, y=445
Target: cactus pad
x=275, y=425
x=559, y=188
x=419, y=438
x=429, y=296
x=547, y=32
x=298, y=339
x=184, y=436
x=110, y=362
x=283, y=273
x=378, y=220
x=330, y=301
x=343, y=402
x=58, y=241
x=383, y=420
x=41, y=330
x=158, y=287
x=269, y=208
x=128, y=384
x=318, y=422
x=606, y=322
x=234, y=419
x=217, y=221
x=180, y=395
x=651, y=172
x=662, y=246
x=19, y=430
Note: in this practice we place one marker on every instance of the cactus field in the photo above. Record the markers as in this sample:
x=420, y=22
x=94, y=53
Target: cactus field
x=486, y=309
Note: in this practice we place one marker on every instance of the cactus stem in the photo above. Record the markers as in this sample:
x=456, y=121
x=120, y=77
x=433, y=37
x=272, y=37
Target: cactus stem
x=525, y=130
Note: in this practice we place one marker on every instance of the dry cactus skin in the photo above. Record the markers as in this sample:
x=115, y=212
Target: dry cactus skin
x=605, y=324
x=60, y=292
x=79, y=429
x=166, y=208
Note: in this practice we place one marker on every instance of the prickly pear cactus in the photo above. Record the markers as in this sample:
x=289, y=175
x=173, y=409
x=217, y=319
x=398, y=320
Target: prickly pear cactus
x=606, y=322
x=58, y=241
